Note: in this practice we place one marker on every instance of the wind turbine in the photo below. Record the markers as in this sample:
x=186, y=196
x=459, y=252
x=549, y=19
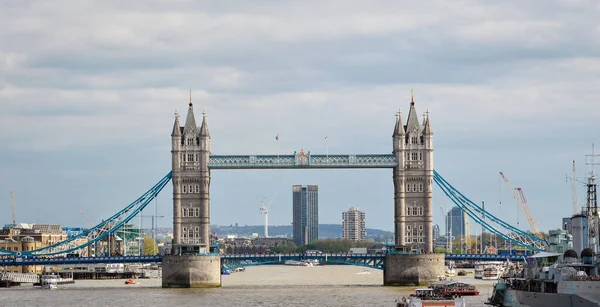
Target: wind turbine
x=264, y=210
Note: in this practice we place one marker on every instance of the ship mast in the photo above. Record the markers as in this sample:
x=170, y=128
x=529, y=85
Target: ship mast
x=592, y=204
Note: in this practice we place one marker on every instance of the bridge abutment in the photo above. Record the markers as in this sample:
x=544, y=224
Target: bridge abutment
x=412, y=269
x=191, y=271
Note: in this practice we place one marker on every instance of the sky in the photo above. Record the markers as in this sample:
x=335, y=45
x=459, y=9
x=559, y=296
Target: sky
x=88, y=92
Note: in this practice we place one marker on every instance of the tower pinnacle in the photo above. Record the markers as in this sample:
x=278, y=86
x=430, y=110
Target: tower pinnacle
x=190, y=98
x=412, y=97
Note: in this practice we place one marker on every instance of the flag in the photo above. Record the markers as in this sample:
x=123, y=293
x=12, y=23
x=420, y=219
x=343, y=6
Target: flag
x=277, y=137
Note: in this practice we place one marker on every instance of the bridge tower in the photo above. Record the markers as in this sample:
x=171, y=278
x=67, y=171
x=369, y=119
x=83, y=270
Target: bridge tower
x=413, y=182
x=190, y=264
x=191, y=182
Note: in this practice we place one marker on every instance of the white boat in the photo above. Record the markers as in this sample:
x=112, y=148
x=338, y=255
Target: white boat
x=491, y=272
x=478, y=273
x=296, y=263
x=426, y=297
x=49, y=282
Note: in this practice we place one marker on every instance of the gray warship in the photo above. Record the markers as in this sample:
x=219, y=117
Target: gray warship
x=566, y=274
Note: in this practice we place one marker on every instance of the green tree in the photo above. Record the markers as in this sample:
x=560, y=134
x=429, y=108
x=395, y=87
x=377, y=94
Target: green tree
x=150, y=246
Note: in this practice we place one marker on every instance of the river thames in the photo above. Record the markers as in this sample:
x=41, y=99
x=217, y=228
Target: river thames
x=257, y=286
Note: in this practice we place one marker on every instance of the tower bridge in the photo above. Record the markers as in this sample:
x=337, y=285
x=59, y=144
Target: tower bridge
x=190, y=263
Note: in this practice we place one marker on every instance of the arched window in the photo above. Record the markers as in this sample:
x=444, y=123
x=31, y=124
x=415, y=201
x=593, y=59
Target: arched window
x=408, y=188
x=184, y=189
x=197, y=188
x=420, y=156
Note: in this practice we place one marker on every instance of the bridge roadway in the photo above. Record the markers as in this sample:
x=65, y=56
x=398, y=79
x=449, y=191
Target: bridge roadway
x=369, y=260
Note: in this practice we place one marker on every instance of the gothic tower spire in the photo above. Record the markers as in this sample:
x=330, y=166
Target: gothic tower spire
x=190, y=120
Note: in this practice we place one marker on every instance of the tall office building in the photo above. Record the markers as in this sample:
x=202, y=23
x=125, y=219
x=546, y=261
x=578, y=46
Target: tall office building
x=353, y=224
x=456, y=222
x=306, y=213
x=436, y=231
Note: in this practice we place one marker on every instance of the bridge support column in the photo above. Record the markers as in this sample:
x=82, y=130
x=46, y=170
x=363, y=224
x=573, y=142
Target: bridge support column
x=191, y=271
x=412, y=269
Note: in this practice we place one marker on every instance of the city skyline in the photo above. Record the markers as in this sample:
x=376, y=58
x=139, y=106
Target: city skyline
x=88, y=93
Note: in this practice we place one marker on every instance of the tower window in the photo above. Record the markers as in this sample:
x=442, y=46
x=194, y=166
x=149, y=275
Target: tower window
x=190, y=157
x=413, y=140
x=197, y=188
x=420, y=187
x=184, y=189
x=408, y=188
x=414, y=156
x=421, y=156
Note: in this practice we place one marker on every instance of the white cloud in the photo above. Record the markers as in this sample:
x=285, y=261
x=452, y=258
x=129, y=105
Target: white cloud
x=87, y=76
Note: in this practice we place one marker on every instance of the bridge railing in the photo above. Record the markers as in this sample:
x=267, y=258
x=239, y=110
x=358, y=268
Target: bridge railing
x=301, y=161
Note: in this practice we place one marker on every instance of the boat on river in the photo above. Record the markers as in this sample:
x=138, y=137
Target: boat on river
x=49, y=282
x=427, y=297
x=453, y=288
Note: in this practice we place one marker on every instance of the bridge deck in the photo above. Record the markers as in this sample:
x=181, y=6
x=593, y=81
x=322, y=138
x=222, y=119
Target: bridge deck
x=373, y=260
x=299, y=161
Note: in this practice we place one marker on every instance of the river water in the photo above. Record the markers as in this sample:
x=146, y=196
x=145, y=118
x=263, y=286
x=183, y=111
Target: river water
x=257, y=286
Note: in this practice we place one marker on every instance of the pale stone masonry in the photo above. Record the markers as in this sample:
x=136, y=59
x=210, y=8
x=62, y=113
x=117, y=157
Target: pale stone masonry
x=191, y=182
x=413, y=182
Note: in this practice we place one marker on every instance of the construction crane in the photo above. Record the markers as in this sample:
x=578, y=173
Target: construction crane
x=153, y=224
x=86, y=218
x=522, y=201
x=12, y=201
x=534, y=227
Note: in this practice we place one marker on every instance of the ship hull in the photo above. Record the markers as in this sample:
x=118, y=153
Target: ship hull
x=517, y=298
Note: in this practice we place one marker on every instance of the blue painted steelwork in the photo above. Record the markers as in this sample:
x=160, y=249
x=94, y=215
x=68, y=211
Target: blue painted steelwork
x=489, y=221
x=483, y=257
x=112, y=224
x=32, y=260
x=73, y=231
x=376, y=261
x=301, y=161
x=100, y=231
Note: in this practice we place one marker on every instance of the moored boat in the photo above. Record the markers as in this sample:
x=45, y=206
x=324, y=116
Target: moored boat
x=453, y=288
x=49, y=282
x=427, y=297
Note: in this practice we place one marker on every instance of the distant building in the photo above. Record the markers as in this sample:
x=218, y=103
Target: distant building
x=306, y=213
x=353, y=225
x=436, y=231
x=456, y=222
x=566, y=225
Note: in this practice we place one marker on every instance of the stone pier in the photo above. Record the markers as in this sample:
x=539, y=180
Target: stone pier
x=191, y=271
x=412, y=269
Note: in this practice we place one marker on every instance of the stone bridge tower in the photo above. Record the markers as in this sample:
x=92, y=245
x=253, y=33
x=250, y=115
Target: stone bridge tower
x=413, y=182
x=191, y=182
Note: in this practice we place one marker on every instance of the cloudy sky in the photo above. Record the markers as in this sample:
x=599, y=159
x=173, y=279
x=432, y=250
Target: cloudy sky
x=88, y=91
